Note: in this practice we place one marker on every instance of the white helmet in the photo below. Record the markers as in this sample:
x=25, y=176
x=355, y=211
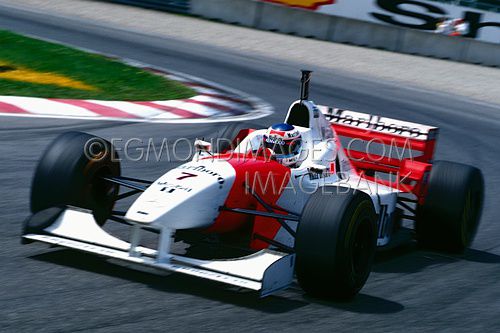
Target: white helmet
x=285, y=142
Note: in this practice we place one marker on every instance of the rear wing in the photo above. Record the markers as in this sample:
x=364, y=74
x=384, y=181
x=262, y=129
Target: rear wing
x=420, y=139
x=368, y=127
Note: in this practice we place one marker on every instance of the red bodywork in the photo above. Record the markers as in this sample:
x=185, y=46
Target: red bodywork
x=268, y=179
x=411, y=174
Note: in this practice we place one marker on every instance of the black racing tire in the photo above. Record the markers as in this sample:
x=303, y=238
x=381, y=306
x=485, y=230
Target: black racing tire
x=336, y=243
x=449, y=218
x=70, y=171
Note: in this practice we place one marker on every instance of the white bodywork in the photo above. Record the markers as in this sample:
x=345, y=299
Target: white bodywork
x=265, y=271
x=191, y=196
x=178, y=199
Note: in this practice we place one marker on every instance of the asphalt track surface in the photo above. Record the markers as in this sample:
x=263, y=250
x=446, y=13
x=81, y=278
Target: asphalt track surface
x=51, y=290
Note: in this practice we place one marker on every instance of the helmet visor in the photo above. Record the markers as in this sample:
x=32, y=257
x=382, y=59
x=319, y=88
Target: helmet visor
x=283, y=147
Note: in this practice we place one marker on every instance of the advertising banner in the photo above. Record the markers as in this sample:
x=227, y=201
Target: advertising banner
x=416, y=14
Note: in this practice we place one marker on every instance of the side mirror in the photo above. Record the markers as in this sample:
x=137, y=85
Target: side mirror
x=317, y=169
x=201, y=145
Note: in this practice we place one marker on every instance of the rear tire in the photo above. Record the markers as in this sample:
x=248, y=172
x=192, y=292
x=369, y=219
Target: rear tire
x=336, y=243
x=449, y=218
x=67, y=175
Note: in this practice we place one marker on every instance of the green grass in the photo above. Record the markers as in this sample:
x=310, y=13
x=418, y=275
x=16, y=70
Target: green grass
x=113, y=80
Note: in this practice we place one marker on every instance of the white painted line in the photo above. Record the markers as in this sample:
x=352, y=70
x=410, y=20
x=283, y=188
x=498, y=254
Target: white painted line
x=201, y=90
x=223, y=102
x=244, y=117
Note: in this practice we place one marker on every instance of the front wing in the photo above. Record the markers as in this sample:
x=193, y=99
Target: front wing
x=265, y=271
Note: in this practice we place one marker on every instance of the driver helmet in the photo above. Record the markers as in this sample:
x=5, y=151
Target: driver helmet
x=285, y=142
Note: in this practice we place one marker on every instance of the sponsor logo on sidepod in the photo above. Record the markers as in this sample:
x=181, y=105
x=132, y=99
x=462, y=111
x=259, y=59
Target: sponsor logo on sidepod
x=203, y=169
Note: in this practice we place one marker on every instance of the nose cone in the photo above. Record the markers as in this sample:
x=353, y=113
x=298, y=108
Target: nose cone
x=188, y=196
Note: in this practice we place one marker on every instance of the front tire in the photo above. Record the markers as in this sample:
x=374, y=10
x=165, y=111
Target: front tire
x=70, y=173
x=336, y=243
x=449, y=218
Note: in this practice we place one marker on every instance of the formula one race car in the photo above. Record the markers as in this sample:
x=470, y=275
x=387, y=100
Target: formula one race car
x=320, y=219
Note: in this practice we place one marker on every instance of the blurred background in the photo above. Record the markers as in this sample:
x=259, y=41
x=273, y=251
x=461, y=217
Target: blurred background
x=427, y=61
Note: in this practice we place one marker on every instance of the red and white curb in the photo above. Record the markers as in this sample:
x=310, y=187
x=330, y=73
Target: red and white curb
x=214, y=103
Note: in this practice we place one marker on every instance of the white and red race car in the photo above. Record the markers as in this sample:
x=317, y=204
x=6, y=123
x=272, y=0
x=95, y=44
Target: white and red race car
x=320, y=221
